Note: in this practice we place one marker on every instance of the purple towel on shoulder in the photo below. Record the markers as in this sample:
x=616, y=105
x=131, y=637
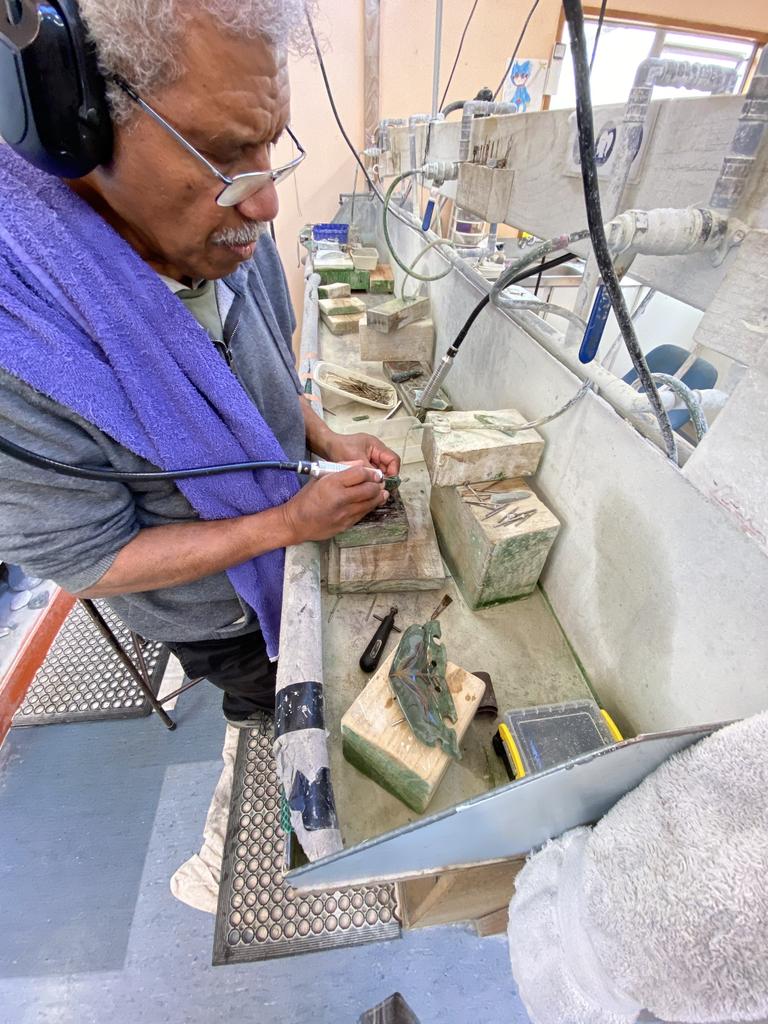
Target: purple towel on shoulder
x=84, y=320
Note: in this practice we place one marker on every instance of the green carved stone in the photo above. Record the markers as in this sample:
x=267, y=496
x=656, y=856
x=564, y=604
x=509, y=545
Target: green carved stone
x=387, y=524
x=417, y=677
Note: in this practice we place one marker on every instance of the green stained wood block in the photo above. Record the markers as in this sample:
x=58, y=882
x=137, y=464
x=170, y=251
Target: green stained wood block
x=380, y=743
x=382, y=280
x=397, y=313
x=490, y=562
x=334, y=291
x=348, y=306
x=358, y=280
x=385, y=525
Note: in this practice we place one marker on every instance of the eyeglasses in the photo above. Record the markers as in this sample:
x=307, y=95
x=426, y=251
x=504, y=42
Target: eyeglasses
x=236, y=190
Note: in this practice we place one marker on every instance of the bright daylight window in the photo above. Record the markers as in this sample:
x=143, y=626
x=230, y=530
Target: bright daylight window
x=623, y=46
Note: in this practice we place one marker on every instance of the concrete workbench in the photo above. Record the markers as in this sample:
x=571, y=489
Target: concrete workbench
x=519, y=644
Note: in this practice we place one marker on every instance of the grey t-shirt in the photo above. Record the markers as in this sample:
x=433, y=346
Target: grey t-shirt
x=71, y=530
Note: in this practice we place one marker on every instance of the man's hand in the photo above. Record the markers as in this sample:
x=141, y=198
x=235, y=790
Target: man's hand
x=331, y=504
x=365, y=447
x=347, y=447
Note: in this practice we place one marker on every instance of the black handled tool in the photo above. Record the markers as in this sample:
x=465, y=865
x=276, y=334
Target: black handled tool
x=372, y=653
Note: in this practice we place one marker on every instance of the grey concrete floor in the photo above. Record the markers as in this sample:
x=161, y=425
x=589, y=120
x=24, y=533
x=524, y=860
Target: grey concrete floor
x=94, y=819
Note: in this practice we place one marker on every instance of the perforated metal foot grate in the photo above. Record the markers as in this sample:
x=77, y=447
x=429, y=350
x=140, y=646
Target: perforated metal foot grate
x=260, y=916
x=83, y=680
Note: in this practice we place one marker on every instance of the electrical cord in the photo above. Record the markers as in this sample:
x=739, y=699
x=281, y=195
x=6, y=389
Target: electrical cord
x=575, y=18
x=404, y=266
x=115, y=476
x=458, y=53
x=689, y=400
x=427, y=248
x=600, y=20
x=518, y=44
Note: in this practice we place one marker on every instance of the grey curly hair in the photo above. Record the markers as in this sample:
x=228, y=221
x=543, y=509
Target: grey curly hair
x=138, y=39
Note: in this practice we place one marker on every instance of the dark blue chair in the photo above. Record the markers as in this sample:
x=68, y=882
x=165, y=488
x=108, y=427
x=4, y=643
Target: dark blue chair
x=668, y=359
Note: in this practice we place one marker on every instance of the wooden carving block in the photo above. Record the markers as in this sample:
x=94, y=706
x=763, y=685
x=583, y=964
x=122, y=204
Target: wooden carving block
x=357, y=280
x=382, y=280
x=412, y=564
x=459, y=456
x=415, y=341
x=379, y=744
x=396, y=313
x=334, y=291
x=342, y=307
x=385, y=525
x=342, y=324
x=490, y=562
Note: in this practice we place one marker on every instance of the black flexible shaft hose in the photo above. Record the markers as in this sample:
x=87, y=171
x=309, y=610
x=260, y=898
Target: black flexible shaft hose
x=115, y=476
x=575, y=18
x=528, y=272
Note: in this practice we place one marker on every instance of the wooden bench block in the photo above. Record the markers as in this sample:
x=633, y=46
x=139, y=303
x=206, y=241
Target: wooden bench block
x=412, y=564
x=391, y=316
x=344, y=306
x=334, y=291
x=385, y=749
x=357, y=280
x=415, y=341
x=385, y=525
x=492, y=563
x=382, y=280
x=349, y=324
x=457, y=456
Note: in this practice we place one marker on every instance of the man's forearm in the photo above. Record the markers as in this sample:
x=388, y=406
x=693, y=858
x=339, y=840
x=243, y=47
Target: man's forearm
x=170, y=556
x=318, y=433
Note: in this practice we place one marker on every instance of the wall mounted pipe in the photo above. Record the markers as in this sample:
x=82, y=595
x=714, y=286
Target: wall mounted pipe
x=747, y=139
x=612, y=389
x=675, y=74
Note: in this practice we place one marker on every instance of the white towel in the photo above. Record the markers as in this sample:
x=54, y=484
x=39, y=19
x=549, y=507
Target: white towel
x=197, y=881
x=663, y=905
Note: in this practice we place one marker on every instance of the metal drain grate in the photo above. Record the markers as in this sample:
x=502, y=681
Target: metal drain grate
x=259, y=916
x=82, y=679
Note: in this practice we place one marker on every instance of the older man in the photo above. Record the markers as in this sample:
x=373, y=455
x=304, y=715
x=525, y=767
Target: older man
x=198, y=92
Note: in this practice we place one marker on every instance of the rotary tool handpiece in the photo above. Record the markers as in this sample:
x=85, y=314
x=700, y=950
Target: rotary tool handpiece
x=323, y=468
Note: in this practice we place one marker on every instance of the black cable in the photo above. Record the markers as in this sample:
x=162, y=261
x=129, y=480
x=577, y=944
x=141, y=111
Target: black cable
x=528, y=272
x=458, y=54
x=600, y=20
x=334, y=109
x=575, y=18
x=115, y=476
x=538, y=280
x=516, y=49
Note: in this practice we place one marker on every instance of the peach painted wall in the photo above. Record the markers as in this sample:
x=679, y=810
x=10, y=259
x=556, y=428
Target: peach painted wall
x=407, y=46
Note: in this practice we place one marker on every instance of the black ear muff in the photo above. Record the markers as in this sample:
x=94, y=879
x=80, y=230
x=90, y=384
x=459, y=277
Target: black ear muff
x=53, y=106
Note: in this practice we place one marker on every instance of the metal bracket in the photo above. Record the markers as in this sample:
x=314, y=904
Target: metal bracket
x=735, y=235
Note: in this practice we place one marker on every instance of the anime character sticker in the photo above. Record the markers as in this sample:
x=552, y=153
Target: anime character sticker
x=519, y=77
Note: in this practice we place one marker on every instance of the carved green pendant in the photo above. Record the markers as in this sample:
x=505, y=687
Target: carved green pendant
x=417, y=678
